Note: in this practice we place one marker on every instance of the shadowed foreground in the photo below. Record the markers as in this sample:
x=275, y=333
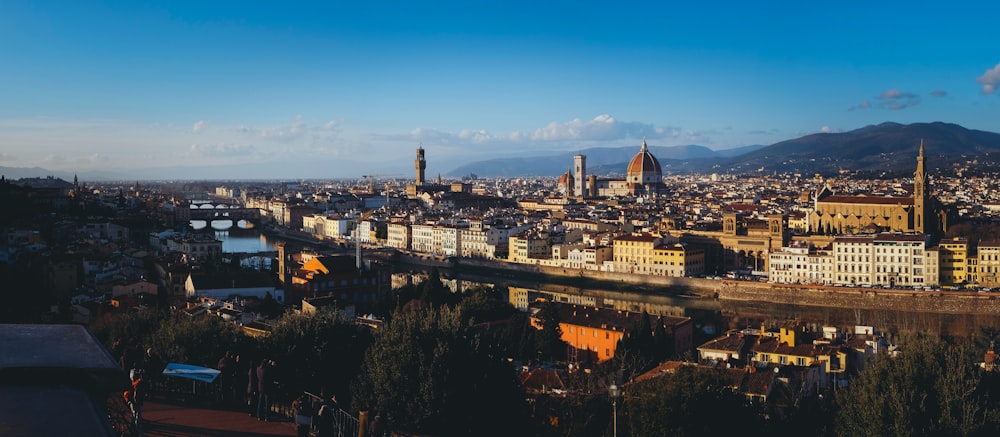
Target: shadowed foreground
x=168, y=420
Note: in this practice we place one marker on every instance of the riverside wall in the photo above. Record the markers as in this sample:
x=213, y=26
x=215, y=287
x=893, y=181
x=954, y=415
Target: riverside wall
x=944, y=302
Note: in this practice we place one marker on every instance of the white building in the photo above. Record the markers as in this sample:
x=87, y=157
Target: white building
x=398, y=235
x=422, y=238
x=892, y=259
x=801, y=265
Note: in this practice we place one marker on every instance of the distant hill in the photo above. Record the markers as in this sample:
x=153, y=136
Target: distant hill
x=888, y=147
x=600, y=160
x=13, y=173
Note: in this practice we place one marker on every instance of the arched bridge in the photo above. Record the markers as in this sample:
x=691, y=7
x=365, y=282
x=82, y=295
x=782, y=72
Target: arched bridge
x=209, y=212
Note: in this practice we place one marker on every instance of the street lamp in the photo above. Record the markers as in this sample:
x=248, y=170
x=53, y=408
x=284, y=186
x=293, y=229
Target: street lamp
x=614, y=391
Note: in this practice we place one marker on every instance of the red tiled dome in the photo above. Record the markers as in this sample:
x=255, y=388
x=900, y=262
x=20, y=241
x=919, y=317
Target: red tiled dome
x=644, y=168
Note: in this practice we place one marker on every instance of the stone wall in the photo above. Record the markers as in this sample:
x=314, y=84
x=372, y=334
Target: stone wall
x=729, y=290
x=863, y=298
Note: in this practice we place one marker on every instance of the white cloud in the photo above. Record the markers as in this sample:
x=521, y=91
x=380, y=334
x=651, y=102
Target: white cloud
x=6, y=157
x=825, y=129
x=199, y=126
x=990, y=79
x=287, y=132
x=603, y=127
x=939, y=93
x=222, y=150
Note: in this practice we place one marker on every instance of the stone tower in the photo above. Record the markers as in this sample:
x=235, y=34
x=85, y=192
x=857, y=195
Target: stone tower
x=580, y=175
x=920, y=193
x=420, y=164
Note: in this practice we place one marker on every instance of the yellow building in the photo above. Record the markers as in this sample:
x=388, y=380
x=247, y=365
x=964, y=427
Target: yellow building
x=790, y=347
x=529, y=246
x=678, y=260
x=953, y=261
x=634, y=253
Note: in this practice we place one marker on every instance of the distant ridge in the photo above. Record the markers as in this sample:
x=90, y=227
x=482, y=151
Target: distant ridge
x=887, y=147
x=598, y=158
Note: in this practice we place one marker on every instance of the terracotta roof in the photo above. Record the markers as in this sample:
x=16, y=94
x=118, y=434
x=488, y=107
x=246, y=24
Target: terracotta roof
x=868, y=200
x=643, y=162
x=611, y=319
x=730, y=343
x=540, y=378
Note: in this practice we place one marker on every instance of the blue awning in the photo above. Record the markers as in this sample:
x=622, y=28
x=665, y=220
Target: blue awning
x=193, y=372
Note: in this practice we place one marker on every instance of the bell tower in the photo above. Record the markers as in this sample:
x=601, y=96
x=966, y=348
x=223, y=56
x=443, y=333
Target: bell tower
x=420, y=164
x=920, y=193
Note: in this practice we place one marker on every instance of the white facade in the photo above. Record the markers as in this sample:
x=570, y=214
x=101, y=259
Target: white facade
x=899, y=259
x=398, y=235
x=422, y=238
x=853, y=260
x=451, y=241
x=800, y=265
x=890, y=259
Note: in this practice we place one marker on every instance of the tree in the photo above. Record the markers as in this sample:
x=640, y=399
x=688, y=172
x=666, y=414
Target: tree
x=425, y=373
x=690, y=402
x=318, y=352
x=199, y=341
x=930, y=388
x=638, y=350
x=550, y=343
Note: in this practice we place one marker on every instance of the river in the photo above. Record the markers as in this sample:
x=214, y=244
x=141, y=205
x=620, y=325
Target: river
x=714, y=316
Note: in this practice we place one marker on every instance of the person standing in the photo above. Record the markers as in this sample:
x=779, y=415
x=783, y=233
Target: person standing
x=252, y=387
x=136, y=396
x=225, y=366
x=302, y=406
x=239, y=381
x=327, y=424
x=152, y=368
x=265, y=381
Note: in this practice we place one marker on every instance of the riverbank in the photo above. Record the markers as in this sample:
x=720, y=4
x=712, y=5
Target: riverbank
x=943, y=302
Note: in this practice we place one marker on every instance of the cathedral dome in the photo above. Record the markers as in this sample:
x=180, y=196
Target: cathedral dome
x=644, y=168
x=564, y=179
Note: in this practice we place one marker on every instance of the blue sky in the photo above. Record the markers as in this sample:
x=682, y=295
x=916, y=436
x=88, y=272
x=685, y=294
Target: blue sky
x=343, y=89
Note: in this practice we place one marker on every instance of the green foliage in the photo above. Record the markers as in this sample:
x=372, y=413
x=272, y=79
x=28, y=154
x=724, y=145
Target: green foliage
x=690, y=402
x=550, y=343
x=134, y=328
x=425, y=373
x=319, y=352
x=199, y=341
x=930, y=388
x=642, y=347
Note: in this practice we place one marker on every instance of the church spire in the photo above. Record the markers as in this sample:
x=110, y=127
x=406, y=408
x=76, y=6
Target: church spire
x=920, y=193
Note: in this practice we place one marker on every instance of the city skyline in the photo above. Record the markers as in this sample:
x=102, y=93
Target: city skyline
x=353, y=89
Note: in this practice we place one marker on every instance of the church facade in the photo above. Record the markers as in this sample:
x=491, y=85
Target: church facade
x=835, y=214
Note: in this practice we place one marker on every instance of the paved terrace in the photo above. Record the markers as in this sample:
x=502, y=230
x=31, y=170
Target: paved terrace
x=171, y=420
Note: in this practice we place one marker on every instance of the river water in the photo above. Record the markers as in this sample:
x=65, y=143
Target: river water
x=714, y=316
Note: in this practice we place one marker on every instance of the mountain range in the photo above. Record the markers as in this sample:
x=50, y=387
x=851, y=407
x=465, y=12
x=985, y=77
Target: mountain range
x=887, y=147
x=884, y=148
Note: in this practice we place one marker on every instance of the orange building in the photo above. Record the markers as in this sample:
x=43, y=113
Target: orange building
x=593, y=333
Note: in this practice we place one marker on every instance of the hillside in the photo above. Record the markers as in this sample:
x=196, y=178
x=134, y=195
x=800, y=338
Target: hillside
x=887, y=147
x=600, y=160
